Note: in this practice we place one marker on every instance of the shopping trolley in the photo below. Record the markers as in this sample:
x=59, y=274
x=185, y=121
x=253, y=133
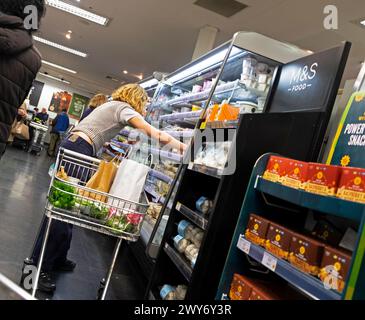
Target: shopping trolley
x=39, y=136
x=70, y=201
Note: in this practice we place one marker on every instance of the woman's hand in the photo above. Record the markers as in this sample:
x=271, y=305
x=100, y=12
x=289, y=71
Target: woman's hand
x=162, y=137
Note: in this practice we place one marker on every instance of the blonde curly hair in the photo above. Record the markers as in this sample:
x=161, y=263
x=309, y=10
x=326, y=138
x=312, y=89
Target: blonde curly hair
x=134, y=95
x=98, y=100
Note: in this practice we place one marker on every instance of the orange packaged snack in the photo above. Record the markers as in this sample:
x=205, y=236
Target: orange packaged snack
x=257, y=229
x=296, y=175
x=323, y=179
x=352, y=185
x=240, y=289
x=334, y=268
x=306, y=254
x=213, y=111
x=278, y=240
x=228, y=113
x=276, y=169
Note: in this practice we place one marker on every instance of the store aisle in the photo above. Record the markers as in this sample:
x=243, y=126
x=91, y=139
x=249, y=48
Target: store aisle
x=24, y=183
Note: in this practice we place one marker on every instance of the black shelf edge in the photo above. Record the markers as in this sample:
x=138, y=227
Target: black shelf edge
x=326, y=204
x=307, y=284
x=193, y=216
x=213, y=172
x=185, y=269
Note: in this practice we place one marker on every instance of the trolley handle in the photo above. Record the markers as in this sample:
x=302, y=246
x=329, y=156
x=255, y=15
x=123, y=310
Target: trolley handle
x=79, y=155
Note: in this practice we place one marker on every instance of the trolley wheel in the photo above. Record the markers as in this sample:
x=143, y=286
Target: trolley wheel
x=101, y=289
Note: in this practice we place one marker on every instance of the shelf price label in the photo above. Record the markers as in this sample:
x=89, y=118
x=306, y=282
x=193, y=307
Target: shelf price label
x=178, y=206
x=244, y=245
x=191, y=165
x=269, y=261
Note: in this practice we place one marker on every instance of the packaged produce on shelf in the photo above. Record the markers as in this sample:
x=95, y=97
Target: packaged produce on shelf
x=191, y=253
x=334, y=268
x=276, y=169
x=163, y=188
x=213, y=154
x=278, y=240
x=204, y=205
x=223, y=112
x=296, y=175
x=181, y=292
x=185, y=229
x=154, y=210
x=257, y=228
x=306, y=254
x=352, y=185
x=191, y=233
x=323, y=179
x=180, y=243
x=169, y=292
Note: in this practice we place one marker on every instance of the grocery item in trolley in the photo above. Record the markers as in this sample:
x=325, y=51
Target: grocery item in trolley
x=101, y=181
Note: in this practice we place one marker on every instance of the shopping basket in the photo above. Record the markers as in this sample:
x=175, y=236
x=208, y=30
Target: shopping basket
x=70, y=201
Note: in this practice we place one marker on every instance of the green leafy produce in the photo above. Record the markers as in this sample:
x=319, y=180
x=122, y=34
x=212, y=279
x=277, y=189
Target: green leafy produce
x=121, y=223
x=59, y=198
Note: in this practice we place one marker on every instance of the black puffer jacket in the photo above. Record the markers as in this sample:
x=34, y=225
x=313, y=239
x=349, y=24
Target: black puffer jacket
x=19, y=64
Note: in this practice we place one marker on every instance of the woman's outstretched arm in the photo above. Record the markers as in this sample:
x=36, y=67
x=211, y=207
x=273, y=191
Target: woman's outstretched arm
x=156, y=134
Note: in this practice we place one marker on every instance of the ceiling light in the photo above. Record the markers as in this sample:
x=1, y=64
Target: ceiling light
x=58, y=66
x=140, y=77
x=69, y=8
x=68, y=36
x=54, y=78
x=363, y=22
x=60, y=47
x=125, y=72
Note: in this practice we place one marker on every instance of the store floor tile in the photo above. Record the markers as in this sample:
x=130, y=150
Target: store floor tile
x=24, y=183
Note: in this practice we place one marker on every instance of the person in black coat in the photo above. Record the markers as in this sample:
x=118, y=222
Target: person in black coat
x=19, y=61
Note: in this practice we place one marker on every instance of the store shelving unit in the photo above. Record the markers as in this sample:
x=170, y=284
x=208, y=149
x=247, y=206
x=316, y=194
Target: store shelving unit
x=251, y=136
x=256, y=202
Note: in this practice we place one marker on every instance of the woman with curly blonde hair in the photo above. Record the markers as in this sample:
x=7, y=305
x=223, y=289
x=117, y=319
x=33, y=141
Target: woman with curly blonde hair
x=95, y=102
x=105, y=122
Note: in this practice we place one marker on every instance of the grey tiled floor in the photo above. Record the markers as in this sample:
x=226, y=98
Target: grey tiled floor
x=24, y=183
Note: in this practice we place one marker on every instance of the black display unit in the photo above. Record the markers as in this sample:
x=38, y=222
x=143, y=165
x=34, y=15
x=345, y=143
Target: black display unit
x=296, y=133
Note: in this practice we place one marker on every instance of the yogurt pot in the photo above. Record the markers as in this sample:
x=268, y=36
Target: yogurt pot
x=167, y=292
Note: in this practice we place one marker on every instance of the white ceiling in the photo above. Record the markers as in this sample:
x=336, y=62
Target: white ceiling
x=159, y=35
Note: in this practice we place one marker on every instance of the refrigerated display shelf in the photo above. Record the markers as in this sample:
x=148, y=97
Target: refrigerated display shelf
x=326, y=204
x=120, y=144
x=307, y=284
x=165, y=155
x=221, y=89
x=161, y=176
x=222, y=124
x=180, y=262
x=193, y=216
x=157, y=197
x=181, y=115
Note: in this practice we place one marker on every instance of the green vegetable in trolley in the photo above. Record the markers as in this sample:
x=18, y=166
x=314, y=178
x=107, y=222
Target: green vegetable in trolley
x=61, y=196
